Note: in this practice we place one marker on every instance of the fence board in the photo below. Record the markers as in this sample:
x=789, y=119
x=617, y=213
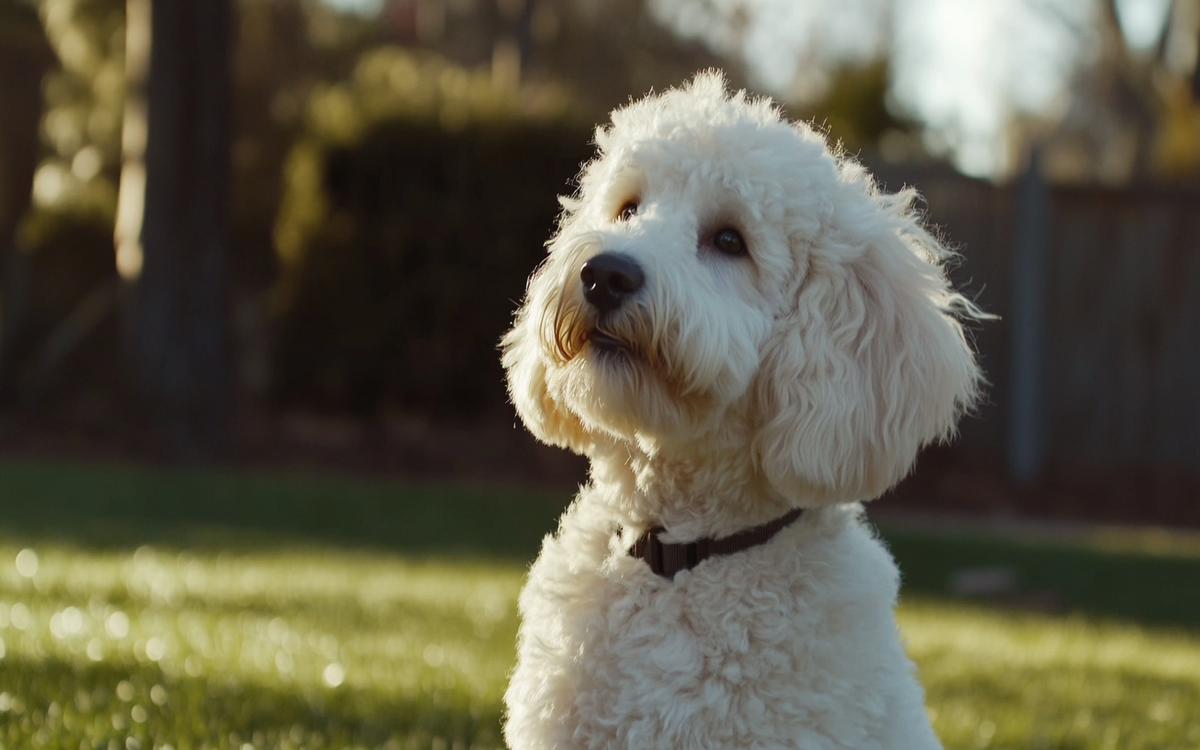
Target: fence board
x=1122, y=328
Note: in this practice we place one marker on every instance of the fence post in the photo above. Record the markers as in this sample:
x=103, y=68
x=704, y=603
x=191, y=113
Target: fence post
x=1026, y=423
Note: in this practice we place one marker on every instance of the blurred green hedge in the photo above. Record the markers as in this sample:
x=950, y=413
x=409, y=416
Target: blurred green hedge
x=62, y=334
x=417, y=203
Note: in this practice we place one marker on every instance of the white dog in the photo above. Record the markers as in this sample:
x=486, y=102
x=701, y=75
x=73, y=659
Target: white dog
x=746, y=339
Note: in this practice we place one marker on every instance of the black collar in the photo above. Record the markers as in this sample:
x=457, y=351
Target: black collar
x=666, y=558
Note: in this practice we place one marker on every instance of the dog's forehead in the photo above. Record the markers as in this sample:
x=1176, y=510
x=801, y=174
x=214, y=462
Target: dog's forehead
x=738, y=149
x=726, y=142
x=717, y=152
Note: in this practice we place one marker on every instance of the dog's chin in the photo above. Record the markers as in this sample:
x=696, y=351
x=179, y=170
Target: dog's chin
x=609, y=349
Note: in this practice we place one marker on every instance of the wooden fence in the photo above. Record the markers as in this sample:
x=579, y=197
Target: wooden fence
x=1095, y=361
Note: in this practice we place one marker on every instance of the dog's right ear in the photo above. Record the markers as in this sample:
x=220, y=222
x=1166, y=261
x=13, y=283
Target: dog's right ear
x=525, y=368
x=870, y=365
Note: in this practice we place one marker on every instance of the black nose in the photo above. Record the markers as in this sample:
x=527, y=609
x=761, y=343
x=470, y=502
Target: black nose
x=608, y=279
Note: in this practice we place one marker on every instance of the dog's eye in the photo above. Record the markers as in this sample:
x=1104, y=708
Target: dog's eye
x=628, y=211
x=730, y=242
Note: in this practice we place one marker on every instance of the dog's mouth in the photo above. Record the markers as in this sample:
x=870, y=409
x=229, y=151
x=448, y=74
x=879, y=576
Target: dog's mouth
x=573, y=328
x=607, y=343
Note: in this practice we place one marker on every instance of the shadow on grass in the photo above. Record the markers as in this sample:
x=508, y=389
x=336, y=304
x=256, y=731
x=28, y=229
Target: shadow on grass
x=1055, y=577
x=97, y=704
x=124, y=506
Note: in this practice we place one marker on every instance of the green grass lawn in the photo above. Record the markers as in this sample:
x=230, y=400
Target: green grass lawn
x=148, y=609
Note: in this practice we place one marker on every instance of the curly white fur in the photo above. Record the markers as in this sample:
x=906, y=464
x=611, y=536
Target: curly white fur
x=807, y=373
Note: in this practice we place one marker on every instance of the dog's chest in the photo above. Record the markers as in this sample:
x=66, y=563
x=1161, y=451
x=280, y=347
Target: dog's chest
x=698, y=628
x=742, y=651
x=699, y=657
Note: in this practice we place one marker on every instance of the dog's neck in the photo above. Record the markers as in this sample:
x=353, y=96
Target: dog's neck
x=691, y=490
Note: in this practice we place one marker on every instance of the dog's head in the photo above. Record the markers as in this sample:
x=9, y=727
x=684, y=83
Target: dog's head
x=721, y=270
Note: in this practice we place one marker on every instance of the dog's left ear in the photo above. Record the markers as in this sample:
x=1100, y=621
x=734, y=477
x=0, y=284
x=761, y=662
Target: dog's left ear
x=870, y=365
x=525, y=371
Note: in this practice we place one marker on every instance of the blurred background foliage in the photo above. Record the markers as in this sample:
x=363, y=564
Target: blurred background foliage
x=65, y=242
x=395, y=165
x=394, y=181
x=438, y=176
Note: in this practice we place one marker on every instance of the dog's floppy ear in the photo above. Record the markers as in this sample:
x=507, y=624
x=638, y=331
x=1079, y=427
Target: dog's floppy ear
x=548, y=420
x=869, y=366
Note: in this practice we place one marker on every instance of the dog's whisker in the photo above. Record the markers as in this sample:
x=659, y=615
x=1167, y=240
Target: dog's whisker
x=567, y=332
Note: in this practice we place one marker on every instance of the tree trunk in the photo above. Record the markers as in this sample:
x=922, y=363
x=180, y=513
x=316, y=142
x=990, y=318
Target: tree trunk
x=178, y=326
